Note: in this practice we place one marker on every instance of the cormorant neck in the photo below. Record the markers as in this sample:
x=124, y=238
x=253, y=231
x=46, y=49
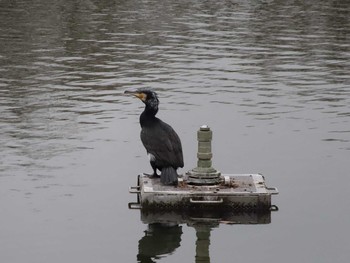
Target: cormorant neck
x=148, y=115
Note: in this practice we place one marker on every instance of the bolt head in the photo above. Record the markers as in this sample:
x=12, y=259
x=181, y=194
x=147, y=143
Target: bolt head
x=204, y=128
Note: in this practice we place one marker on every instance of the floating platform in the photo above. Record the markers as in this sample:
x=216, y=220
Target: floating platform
x=239, y=192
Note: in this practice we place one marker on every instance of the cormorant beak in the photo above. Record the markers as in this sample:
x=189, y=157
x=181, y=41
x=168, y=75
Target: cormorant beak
x=142, y=96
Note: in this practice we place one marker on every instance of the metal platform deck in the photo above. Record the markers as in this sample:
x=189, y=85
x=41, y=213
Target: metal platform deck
x=242, y=192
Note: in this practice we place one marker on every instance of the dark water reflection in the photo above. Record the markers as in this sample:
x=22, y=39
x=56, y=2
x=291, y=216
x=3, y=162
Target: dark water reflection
x=270, y=77
x=164, y=232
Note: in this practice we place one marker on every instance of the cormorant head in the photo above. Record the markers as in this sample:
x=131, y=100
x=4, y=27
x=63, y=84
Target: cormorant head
x=147, y=96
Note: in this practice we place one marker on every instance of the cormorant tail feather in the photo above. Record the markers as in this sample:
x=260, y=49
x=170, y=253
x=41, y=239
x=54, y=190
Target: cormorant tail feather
x=168, y=176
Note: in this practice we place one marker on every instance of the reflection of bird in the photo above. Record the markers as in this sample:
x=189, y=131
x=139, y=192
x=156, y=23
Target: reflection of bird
x=160, y=240
x=162, y=144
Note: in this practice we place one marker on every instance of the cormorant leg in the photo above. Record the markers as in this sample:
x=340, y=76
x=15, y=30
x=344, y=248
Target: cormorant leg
x=154, y=175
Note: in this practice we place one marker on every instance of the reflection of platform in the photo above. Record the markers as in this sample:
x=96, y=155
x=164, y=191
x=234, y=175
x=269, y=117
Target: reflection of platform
x=163, y=234
x=239, y=192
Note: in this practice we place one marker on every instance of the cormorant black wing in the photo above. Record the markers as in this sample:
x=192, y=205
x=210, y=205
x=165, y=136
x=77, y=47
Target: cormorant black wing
x=163, y=143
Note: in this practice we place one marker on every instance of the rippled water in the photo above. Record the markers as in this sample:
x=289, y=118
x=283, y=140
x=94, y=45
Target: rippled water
x=271, y=78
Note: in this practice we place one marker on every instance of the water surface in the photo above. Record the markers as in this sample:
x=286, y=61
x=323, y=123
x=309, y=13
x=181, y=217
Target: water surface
x=271, y=78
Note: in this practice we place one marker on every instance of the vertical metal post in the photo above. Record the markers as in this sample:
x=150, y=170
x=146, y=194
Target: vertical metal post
x=204, y=173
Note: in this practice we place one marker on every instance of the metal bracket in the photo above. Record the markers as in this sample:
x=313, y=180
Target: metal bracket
x=134, y=206
x=134, y=190
x=272, y=190
x=274, y=208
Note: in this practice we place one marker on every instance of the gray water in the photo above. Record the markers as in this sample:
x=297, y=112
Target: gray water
x=271, y=79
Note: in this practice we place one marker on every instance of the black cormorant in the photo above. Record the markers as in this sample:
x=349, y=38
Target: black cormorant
x=162, y=143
